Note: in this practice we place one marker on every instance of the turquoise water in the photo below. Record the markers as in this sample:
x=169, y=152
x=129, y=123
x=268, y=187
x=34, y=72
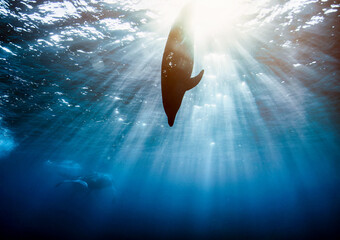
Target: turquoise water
x=254, y=152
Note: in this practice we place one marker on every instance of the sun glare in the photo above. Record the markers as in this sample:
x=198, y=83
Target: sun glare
x=215, y=18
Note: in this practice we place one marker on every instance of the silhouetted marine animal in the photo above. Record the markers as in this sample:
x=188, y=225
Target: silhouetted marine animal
x=92, y=182
x=177, y=64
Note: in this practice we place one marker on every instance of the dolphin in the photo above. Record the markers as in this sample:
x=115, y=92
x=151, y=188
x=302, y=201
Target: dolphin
x=95, y=181
x=177, y=64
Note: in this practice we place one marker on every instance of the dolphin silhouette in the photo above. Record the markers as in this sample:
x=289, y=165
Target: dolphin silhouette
x=95, y=181
x=177, y=64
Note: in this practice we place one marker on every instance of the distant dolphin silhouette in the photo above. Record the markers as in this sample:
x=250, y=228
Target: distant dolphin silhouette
x=95, y=181
x=177, y=65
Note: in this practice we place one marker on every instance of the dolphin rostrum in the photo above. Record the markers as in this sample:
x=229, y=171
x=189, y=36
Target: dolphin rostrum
x=177, y=65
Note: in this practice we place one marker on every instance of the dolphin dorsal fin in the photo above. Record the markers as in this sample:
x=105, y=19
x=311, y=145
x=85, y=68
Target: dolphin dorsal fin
x=192, y=82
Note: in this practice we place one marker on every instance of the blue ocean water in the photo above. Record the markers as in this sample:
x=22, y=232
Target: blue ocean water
x=254, y=152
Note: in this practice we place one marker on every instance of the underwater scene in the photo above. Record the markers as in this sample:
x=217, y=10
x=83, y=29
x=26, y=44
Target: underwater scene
x=159, y=119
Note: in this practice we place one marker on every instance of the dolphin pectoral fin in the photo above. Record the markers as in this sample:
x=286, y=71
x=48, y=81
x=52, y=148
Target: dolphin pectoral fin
x=81, y=182
x=194, y=81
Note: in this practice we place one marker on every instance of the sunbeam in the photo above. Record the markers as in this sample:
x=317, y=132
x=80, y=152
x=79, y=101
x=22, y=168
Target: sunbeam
x=253, y=152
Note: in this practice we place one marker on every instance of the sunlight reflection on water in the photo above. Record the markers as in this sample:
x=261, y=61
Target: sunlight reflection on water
x=80, y=89
x=120, y=44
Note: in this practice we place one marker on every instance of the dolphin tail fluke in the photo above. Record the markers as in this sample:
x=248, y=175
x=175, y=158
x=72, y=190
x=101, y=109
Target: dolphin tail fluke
x=194, y=81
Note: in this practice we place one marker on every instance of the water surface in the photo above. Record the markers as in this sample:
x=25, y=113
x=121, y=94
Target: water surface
x=254, y=151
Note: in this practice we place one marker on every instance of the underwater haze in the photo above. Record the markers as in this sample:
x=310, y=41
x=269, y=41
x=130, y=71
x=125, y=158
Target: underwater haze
x=86, y=151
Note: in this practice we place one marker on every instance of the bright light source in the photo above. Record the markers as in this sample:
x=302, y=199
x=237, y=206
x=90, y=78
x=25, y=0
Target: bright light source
x=216, y=17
